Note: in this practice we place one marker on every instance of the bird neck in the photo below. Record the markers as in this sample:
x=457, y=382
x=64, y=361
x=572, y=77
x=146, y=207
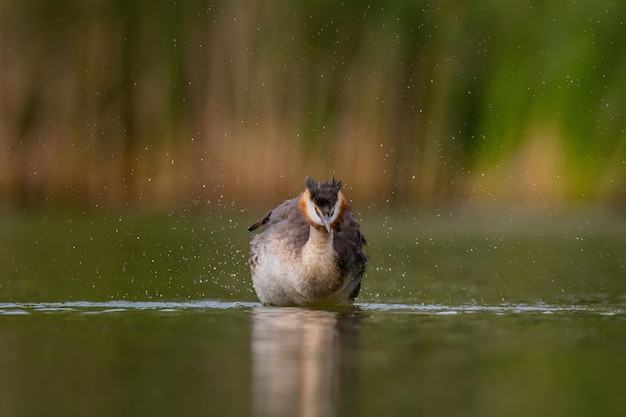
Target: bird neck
x=319, y=237
x=318, y=251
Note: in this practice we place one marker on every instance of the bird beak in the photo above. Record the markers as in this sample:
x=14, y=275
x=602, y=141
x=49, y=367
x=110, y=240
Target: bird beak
x=326, y=221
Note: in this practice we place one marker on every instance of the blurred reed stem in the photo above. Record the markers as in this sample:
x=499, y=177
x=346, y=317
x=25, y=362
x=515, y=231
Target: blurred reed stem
x=142, y=102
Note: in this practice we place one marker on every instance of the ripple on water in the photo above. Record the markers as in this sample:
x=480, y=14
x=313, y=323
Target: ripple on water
x=537, y=308
x=121, y=306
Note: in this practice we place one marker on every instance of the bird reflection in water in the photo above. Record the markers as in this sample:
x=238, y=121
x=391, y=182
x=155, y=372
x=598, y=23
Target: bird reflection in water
x=304, y=361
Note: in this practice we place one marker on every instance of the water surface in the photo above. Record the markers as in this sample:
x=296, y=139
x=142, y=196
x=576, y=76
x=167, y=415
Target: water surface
x=155, y=315
x=229, y=358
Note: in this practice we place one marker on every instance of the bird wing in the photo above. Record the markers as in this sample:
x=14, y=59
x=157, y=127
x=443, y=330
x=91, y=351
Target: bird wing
x=261, y=222
x=349, y=242
x=287, y=210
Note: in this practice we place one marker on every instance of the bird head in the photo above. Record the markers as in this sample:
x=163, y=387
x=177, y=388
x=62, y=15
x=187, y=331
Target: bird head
x=322, y=203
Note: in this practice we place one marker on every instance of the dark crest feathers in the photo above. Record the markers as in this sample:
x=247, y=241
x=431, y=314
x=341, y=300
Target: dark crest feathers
x=323, y=194
x=313, y=185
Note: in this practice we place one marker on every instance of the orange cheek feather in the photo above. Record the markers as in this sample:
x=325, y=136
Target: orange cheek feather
x=342, y=209
x=303, y=211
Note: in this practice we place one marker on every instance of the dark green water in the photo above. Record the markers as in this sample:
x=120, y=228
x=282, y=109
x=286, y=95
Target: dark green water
x=503, y=314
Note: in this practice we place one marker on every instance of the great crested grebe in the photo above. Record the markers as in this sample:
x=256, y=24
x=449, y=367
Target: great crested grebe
x=311, y=250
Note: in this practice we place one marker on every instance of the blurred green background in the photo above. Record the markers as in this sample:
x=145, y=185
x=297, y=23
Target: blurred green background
x=483, y=144
x=157, y=103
